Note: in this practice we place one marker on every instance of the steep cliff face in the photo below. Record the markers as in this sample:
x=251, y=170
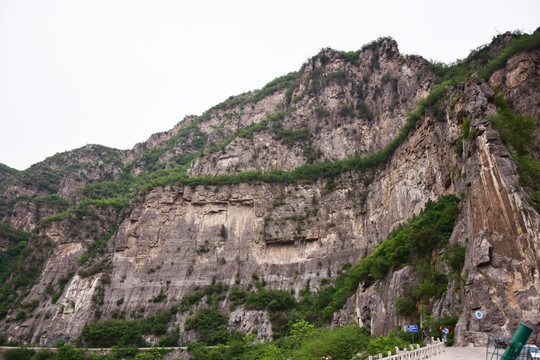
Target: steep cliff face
x=519, y=81
x=129, y=234
x=502, y=264
x=498, y=228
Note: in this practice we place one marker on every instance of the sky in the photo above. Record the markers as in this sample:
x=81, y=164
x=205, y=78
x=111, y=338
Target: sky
x=113, y=72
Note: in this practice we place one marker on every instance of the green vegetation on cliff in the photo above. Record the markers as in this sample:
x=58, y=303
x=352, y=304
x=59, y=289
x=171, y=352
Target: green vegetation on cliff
x=310, y=172
x=15, y=275
x=121, y=332
x=415, y=244
x=521, y=43
x=483, y=61
x=517, y=134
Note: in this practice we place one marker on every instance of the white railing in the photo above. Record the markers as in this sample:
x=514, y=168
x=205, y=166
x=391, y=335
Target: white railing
x=435, y=348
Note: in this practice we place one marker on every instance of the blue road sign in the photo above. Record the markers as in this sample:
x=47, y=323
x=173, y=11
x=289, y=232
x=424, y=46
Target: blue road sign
x=412, y=328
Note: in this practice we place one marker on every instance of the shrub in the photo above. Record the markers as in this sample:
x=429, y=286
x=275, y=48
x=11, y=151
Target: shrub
x=291, y=136
x=405, y=306
x=383, y=344
x=515, y=130
x=301, y=330
x=45, y=222
x=210, y=325
x=159, y=297
x=97, y=268
x=97, y=246
x=21, y=316
x=196, y=296
x=171, y=338
x=346, y=110
x=201, y=249
x=30, y=305
x=237, y=296
x=466, y=131
x=12, y=234
x=351, y=56
x=152, y=354
x=364, y=111
x=199, y=351
x=321, y=112
x=68, y=352
x=109, y=333
x=18, y=354
x=339, y=77
x=341, y=342
x=156, y=324
x=268, y=351
x=43, y=354
x=274, y=300
x=223, y=232
x=124, y=352
x=455, y=257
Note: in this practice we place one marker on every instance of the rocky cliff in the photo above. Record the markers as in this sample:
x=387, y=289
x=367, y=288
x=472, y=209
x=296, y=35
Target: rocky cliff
x=262, y=191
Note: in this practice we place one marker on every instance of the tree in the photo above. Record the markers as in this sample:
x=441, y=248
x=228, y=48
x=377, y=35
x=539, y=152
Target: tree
x=223, y=232
x=300, y=330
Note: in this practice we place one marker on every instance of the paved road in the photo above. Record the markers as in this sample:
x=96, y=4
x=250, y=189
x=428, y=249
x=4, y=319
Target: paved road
x=465, y=353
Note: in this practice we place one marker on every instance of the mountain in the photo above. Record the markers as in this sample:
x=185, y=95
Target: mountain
x=369, y=187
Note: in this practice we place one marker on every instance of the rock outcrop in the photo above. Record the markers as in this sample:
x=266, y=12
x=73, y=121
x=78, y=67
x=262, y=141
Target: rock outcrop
x=112, y=259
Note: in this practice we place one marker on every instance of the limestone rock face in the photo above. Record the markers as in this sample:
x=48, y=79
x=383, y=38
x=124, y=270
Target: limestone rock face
x=497, y=226
x=519, y=80
x=386, y=88
x=172, y=239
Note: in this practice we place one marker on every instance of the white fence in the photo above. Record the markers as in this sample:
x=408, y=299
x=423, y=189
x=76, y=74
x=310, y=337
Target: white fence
x=419, y=353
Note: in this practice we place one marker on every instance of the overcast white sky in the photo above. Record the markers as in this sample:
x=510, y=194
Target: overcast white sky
x=113, y=72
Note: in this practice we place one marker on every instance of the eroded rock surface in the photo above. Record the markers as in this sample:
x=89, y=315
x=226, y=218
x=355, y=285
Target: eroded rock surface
x=175, y=239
